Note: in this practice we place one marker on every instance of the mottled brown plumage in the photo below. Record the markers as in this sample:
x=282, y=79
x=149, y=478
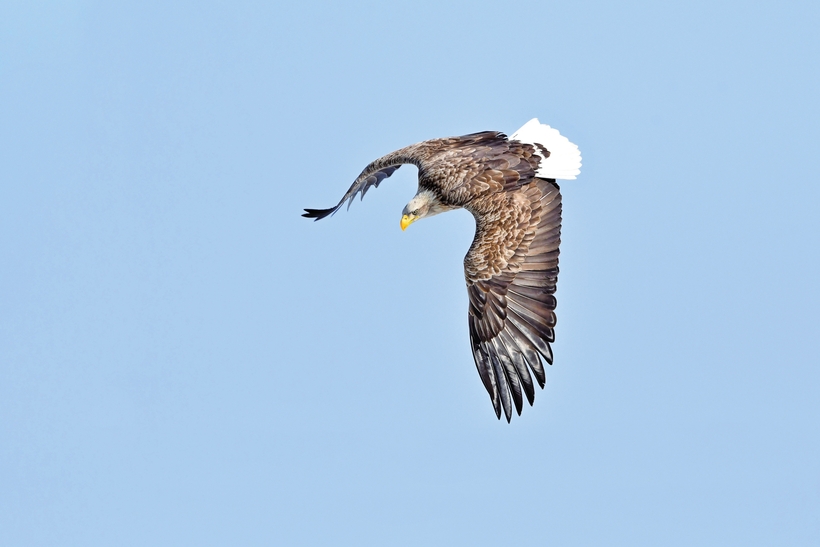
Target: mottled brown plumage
x=511, y=267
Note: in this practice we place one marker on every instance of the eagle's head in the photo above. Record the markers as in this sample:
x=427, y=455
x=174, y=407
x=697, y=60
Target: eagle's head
x=424, y=204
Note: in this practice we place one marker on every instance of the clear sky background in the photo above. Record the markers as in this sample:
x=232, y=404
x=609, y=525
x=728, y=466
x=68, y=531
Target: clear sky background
x=184, y=360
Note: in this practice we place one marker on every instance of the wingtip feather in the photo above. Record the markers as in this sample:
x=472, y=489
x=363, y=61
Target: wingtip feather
x=317, y=214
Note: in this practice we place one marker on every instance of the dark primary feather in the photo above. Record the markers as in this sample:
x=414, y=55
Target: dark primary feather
x=362, y=185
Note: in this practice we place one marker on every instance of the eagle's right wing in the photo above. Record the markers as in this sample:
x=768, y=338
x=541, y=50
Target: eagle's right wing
x=471, y=163
x=370, y=177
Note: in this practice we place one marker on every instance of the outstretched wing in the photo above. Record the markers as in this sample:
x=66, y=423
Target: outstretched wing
x=363, y=183
x=511, y=271
x=468, y=165
x=372, y=176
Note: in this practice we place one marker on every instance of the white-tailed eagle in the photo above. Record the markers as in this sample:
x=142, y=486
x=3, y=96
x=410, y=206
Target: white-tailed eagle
x=508, y=184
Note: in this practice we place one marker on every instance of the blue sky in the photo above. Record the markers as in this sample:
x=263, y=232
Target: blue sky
x=184, y=360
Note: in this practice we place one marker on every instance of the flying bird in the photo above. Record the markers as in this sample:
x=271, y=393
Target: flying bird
x=511, y=268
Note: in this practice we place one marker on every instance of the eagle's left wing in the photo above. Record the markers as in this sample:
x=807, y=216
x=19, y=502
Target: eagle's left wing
x=511, y=271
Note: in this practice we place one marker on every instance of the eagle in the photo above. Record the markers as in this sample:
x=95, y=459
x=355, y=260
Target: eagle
x=511, y=268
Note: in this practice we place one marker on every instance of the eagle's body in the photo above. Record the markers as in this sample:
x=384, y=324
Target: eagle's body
x=508, y=184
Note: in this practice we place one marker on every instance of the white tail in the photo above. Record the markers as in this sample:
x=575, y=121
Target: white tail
x=565, y=158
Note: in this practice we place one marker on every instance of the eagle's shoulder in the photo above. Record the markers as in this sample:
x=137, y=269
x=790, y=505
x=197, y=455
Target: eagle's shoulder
x=478, y=164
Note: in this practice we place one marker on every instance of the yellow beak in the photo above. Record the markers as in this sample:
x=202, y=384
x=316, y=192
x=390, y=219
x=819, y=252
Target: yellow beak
x=407, y=220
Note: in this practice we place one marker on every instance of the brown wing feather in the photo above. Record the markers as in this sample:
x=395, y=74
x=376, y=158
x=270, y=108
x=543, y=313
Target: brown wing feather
x=511, y=271
x=373, y=175
x=458, y=169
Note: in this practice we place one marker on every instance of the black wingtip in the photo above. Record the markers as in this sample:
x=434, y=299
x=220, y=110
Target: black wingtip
x=317, y=214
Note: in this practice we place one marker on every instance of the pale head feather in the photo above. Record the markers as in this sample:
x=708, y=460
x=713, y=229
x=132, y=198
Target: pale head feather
x=425, y=204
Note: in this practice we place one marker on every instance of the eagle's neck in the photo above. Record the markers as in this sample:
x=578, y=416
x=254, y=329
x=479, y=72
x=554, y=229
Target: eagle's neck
x=436, y=206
